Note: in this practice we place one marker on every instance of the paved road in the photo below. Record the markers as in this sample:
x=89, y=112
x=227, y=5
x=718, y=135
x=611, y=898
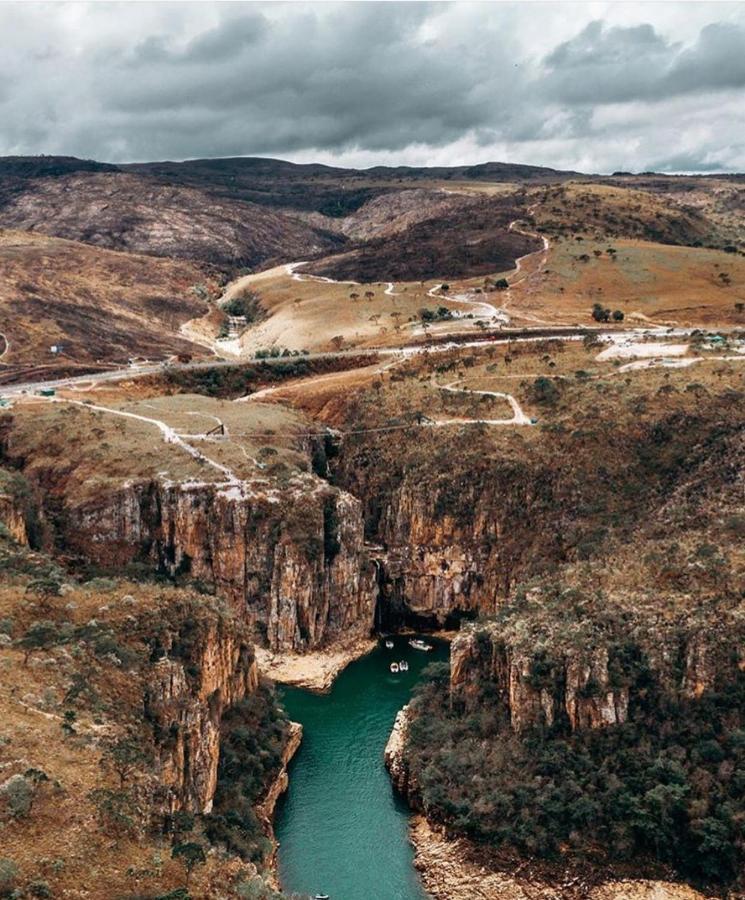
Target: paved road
x=140, y=371
x=503, y=336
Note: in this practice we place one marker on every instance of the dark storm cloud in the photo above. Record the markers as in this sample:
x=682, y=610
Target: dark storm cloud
x=392, y=82
x=305, y=82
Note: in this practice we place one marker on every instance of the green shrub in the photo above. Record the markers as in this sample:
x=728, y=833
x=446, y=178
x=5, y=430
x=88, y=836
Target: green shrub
x=8, y=876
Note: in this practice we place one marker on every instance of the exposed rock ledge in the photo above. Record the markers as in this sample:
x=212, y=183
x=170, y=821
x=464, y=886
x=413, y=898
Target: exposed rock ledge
x=450, y=870
x=315, y=670
x=265, y=810
x=394, y=754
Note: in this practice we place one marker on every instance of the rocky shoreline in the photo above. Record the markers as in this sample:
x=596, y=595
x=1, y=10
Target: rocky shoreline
x=265, y=810
x=452, y=870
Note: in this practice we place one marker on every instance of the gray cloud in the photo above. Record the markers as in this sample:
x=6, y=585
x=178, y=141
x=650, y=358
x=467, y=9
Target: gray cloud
x=363, y=83
x=619, y=64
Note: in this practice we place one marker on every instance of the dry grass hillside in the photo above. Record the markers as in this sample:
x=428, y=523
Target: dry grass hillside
x=602, y=211
x=87, y=446
x=721, y=200
x=98, y=304
x=650, y=283
x=470, y=236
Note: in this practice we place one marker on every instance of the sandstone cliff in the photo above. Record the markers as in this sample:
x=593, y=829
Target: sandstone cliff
x=593, y=682
x=291, y=560
x=14, y=505
x=456, y=549
x=265, y=810
x=394, y=756
x=191, y=686
x=13, y=517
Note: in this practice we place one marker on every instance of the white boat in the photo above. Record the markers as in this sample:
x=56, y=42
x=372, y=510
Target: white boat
x=419, y=645
x=322, y=897
x=389, y=645
x=394, y=667
x=403, y=666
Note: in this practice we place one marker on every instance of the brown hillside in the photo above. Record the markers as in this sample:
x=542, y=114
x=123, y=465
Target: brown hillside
x=470, y=237
x=100, y=305
x=129, y=212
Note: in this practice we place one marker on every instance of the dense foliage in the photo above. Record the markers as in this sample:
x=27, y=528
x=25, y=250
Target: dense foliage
x=668, y=787
x=254, y=733
x=247, y=305
x=234, y=381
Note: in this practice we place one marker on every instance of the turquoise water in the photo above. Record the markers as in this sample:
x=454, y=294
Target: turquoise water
x=342, y=830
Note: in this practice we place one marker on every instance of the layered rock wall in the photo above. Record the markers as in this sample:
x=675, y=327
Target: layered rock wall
x=13, y=516
x=291, y=561
x=577, y=687
x=187, y=694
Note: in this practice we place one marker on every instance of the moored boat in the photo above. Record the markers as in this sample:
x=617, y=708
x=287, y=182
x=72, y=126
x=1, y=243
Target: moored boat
x=403, y=666
x=394, y=667
x=389, y=645
x=418, y=644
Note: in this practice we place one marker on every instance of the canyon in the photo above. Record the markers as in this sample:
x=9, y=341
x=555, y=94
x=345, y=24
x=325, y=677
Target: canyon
x=168, y=551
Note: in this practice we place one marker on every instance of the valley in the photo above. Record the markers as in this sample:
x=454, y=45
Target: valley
x=297, y=409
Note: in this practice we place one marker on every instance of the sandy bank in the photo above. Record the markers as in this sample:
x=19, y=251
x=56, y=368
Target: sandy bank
x=316, y=670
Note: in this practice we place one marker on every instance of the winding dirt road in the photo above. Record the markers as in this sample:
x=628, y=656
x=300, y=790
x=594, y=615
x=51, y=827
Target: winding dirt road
x=518, y=416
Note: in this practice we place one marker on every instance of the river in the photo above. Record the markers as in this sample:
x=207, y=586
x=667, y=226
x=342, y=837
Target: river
x=342, y=829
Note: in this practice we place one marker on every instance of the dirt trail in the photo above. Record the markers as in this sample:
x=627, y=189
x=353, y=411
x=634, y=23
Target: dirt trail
x=518, y=416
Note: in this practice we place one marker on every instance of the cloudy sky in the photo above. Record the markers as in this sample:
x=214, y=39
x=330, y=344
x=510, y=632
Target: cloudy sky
x=589, y=86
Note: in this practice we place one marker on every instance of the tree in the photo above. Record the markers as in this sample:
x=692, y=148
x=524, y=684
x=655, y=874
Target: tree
x=600, y=313
x=45, y=589
x=618, y=315
x=123, y=756
x=40, y=636
x=502, y=284
x=36, y=777
x=116, y=810
x=190, y=855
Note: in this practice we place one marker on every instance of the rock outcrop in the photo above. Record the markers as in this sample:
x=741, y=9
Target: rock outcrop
x=457, y=548
x=13, y=517
x=291, y=561
x=265, y=810
x=587, y=685
x=191, y=686
x=394, y=757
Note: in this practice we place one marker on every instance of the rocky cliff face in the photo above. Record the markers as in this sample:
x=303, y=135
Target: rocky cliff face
x=395, y=758
x=458, y=551
x=190, y=688
x=291, y=561
x=592, y=685
x=434, y=567
x=13, y=516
